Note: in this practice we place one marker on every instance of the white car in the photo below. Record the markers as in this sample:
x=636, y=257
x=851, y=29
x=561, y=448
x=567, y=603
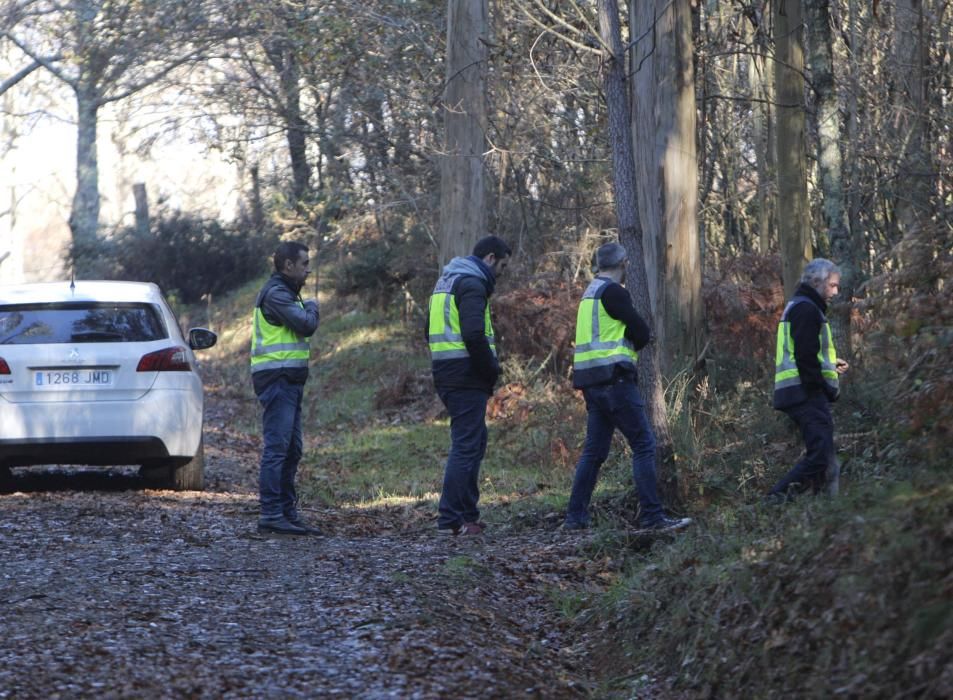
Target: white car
x=99, y=373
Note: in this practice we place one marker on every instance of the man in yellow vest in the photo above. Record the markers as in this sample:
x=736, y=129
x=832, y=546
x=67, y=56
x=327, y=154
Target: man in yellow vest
x=282, y=324
x=806, y=380
x=465, y=370
x=609, y=334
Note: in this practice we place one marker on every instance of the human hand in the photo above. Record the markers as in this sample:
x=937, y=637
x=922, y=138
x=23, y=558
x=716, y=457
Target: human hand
x=841, y=366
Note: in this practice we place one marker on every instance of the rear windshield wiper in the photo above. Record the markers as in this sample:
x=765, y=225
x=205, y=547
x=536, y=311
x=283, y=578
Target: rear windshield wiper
x=95, y=335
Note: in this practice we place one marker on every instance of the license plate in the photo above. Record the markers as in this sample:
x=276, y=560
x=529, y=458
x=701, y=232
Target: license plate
x=62, y=379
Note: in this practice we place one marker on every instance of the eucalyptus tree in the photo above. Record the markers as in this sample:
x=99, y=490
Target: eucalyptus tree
x=462, y=198
x=105, y=51
x=631, y=232
x=830, y=130
x=793, y=206
x=664, y=128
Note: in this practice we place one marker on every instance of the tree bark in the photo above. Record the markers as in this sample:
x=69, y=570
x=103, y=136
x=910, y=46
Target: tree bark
x=793, y=208
x=627, y=210
x=282, y=57
x=916, y=173
x=830, y=128
x=142, y=209
x=462, y=206
x=665, y=152
x=84, y=217
x=761, y=78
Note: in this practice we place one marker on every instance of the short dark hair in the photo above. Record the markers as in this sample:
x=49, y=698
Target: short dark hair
x=491, y=244
x=288, y=250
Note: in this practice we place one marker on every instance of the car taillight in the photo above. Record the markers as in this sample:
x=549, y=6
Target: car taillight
x=167, y=360
x=4, y=367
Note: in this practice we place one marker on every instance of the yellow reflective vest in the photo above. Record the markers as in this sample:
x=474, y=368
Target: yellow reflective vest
x=276, y=347
x=788, y=389
x=444, y=333
x=601, y=344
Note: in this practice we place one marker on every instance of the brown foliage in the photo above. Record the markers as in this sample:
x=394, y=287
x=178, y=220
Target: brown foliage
x=509, y=402
x=907, y=331
x=743, y=301
x=538, y=322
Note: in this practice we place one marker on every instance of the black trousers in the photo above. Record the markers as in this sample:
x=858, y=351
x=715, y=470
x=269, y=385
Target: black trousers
x=818, y=466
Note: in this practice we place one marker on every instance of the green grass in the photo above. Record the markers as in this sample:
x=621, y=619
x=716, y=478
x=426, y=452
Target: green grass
x=798, y=600
x=849, y=594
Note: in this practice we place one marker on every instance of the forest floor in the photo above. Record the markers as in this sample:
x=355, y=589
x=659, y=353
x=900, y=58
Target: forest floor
x=111, y=589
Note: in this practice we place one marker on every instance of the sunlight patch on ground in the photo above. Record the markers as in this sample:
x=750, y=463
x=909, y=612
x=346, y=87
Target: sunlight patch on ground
x=361, y=337
x=390, y=500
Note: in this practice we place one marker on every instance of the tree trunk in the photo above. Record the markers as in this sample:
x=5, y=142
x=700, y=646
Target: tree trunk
x=627, y=210
x=830, y=130
x=793, y=208
x=142, y=209
x=665, y=151
x=761, y=78
x=853, y=135
x=916, y=173
x=84, y=217
x=257, y=205
x=282, y=57
x=462, y=206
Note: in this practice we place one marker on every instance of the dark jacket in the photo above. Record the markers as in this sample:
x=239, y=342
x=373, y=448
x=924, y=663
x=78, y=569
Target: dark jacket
x=279, y=303
x=806, y=321
x=471, y=290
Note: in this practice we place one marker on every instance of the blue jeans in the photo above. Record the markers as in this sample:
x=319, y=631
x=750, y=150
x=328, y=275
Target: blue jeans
x=281, y=424
x=616, y=405
x=818, y=467
x=461, y=477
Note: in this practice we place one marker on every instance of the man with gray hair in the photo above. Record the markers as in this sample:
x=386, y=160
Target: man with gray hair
x=806, y=380
x=609, y=334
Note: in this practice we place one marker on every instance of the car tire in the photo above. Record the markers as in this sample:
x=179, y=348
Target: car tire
x=191, y=475
x=6, y=478
x=178, y=477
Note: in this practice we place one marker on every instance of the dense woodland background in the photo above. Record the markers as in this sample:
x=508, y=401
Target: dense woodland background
x=724, y=143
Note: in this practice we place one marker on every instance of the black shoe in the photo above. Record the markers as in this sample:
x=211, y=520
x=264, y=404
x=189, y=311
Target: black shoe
x=280, y=526
x=667, y=524
x=573, y=526
x=310, y=529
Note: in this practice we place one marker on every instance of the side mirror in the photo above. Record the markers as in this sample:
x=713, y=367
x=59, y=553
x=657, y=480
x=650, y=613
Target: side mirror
x=201, y=338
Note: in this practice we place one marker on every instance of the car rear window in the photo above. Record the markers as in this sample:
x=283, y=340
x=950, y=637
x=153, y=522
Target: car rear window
x=80, y=322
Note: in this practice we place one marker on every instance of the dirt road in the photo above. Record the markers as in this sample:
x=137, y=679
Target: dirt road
x=110, y=590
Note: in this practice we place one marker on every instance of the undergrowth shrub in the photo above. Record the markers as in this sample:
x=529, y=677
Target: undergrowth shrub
x=537, y=322
x=187, y=255
x=810, y=601
x=382, y=265
x=907, y=336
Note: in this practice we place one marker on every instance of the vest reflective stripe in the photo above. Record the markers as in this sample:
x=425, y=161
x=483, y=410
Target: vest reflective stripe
x=785, y=366
x=600, y=339
x=445, y=339
x=276, y=347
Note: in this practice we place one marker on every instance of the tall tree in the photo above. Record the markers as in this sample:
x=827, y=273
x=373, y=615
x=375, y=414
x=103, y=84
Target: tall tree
x=281, y=48
x=462, y=205
x=916, y=172
x=663, y=104
x=793, y=207
x=631, y=233
x=106, y=51
x=761, y=81
x=830, y=128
